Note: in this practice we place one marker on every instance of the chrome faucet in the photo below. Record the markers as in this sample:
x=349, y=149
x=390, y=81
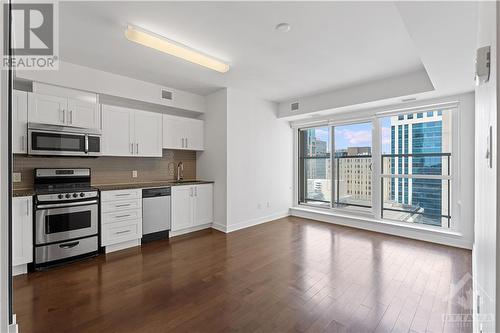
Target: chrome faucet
x=180, y=171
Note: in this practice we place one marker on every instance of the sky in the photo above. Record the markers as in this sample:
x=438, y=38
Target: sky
x=357, y=135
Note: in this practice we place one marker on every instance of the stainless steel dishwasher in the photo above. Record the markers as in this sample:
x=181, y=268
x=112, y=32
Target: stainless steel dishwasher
x=155, y=213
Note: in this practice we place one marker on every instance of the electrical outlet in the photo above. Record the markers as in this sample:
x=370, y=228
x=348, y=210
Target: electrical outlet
x=16, y=177
x=134, y=173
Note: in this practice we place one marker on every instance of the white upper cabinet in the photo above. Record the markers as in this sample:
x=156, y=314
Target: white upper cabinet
x=117, y=135
x=19, y=122
x=46, y=109
x=148, y=133
x=64, y=111
x=84, y=114
x=182, y=133
x=129, y=132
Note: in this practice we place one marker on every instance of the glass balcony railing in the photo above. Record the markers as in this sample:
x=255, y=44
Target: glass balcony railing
x=353, y=181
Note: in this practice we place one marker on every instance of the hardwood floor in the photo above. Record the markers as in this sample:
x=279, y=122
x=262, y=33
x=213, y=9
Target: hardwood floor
x=292, y=274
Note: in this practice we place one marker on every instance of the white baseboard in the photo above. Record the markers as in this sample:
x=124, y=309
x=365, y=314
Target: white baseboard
x=13, y=328
x=250, y=223
x=449, y=238
x=122, y=246
x=188, y=230
x=19, y=269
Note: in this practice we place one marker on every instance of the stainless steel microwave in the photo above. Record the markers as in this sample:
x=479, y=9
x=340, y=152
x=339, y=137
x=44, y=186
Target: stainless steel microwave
x=63, y=141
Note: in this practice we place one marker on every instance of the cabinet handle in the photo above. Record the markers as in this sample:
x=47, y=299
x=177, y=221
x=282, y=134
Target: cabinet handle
x=187, y=144
x=27, y=207
x=124, y=205
x=71, y=116
x=121, y=216
x=182, y=140
x=22, y=143
x=122, y=195
x=195, y=191
x=63, y=116
x=122, y=232
x=191, y=192
x=137, y=148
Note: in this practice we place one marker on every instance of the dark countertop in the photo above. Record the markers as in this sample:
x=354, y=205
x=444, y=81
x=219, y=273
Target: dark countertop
x=24, y=192
x=112, y=187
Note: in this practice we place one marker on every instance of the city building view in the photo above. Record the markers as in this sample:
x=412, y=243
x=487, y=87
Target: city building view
x=414, y=146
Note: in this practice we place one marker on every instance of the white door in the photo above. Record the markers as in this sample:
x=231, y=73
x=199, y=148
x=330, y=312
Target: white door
x=117, y=131
x=148, y=134
x=46, y=109
x=173, y=132
x=194, y=134
x=84, y=114
x=19, y=122
x=182, y=207
x=203, y=204
x=22, y=230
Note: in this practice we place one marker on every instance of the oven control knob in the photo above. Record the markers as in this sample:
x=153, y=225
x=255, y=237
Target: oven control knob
x=60, y=196
x=68, y=196
x=75, y=195
x=82, y=194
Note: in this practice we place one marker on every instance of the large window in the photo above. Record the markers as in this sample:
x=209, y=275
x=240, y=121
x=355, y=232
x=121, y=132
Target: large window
x=413, y=164
x=416, y=168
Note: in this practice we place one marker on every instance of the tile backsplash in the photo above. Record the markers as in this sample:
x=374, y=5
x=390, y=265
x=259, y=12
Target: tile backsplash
x=111, y=170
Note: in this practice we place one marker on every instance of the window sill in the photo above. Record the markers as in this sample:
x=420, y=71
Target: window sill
x=365, y=221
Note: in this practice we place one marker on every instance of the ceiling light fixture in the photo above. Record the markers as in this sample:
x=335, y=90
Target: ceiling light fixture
x=283, y=27
x=175, y=49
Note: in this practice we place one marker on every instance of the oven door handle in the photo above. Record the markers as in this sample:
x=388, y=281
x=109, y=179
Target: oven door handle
x=71, y=204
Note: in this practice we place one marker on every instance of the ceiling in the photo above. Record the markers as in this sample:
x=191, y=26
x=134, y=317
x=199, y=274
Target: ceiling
x=331, y=45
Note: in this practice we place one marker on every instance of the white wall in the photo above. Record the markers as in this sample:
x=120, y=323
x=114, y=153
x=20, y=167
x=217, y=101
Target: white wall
x=212, y=162
x=259, y=165
x=484, y=252
x=248, y=153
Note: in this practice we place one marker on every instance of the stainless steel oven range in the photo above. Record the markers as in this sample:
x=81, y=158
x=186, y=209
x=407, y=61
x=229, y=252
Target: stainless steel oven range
x=66, y=216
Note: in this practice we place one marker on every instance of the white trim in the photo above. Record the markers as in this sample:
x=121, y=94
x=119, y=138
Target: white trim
x=257, y=221
x=122, y=246
x=418, y=232
x=189, y=230
x=219, y=227
x=442, y=177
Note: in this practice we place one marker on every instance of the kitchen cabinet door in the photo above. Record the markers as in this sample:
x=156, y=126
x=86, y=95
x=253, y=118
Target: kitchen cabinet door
x=19, y=122
x=46, y=109
x=117, y=131
x=22, y=230
x=84, y=114
x=148, y=134
x=182, y=207
x=173, y=129
x=203, y=204
x=194, y=134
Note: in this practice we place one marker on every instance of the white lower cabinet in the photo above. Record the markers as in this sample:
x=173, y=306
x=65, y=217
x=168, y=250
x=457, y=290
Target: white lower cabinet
x=22, y=234
x=121, y=219
x=192, y=207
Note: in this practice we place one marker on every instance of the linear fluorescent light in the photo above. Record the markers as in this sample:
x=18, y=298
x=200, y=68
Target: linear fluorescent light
x=175, y=49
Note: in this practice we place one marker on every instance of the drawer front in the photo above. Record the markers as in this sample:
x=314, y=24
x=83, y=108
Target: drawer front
x=121, y=195
x=114, y=206
x=119, y=232
x=68, y=249
x=134, y=214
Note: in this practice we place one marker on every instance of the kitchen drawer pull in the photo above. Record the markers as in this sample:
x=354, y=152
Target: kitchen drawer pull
x=69, y=245
x=122, y=195
x=123, y=205
x=120, y=216
x=122, y=232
